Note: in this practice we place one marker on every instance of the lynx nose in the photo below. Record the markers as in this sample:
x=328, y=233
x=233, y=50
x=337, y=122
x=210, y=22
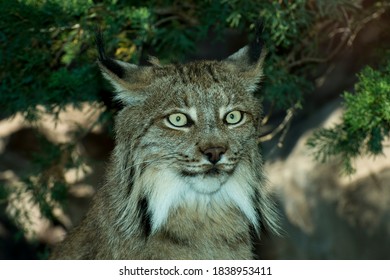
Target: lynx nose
x=214, y=154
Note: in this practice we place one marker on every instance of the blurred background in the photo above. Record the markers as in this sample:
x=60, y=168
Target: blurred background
x=326, y=125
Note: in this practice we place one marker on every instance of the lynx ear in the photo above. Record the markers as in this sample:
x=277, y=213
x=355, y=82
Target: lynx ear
x=129, y=80
x=248, y=61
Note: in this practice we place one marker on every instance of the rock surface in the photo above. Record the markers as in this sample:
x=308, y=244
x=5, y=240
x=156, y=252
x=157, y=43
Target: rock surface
x=327, y=215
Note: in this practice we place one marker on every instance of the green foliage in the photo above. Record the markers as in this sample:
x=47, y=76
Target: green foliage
x=287, y=24
x=38, y=57
x=47, y=61
x=365, y=123
x=3, y=192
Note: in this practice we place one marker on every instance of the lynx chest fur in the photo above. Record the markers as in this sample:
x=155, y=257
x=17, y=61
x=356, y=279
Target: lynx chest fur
x=186, y=178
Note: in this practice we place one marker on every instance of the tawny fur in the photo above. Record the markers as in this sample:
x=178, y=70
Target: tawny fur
x=160, y=201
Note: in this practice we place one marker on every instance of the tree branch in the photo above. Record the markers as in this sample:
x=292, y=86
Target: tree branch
x=284, y=124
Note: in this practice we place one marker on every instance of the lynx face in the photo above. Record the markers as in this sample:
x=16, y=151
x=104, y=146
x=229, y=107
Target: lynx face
x=200, y=132
x=196, y=136
x=186, y=139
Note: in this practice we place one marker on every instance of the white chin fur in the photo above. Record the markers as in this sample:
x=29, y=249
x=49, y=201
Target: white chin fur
x=168, y=190
x=207, y=185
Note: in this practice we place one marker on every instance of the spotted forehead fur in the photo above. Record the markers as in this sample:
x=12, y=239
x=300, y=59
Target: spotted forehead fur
x=203, y=82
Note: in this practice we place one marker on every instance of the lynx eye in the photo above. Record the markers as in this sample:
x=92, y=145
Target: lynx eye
x=234, y=117
x=178, y=119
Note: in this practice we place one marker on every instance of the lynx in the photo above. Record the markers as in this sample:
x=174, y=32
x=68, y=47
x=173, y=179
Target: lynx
x=186, y=179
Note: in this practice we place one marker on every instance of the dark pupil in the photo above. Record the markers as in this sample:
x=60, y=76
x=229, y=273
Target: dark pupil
x=178, y=118
x=231, y=116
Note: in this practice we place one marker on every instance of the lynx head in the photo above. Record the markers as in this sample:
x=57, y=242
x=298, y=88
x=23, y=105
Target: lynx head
x=186, y=138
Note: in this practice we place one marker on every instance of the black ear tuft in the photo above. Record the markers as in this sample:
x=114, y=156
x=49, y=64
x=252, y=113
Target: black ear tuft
x=109, y=63
x=256, y=46
x=99, y=41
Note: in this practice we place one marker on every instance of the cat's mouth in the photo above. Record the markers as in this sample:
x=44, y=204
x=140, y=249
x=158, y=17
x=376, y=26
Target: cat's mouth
x=207, y=179
x=209, y=171
x=213, y=172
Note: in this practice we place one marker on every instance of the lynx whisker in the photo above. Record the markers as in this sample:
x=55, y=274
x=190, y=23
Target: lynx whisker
x=144, y=164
